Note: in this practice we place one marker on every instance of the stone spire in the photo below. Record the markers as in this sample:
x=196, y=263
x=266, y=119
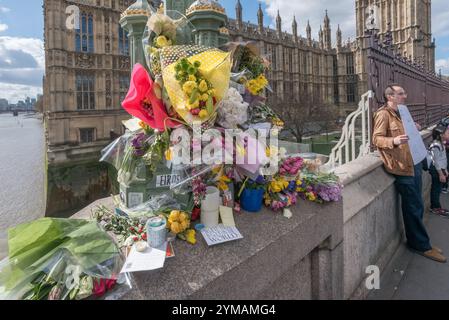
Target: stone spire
x=309, y=34
x=327, y=33
x=320, y=37
x=339, y=37
x=279, y=25
x=239, y=14
x=260, y=18
x=295, y=28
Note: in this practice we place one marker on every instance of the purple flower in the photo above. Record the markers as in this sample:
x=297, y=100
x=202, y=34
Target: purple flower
x=260, y=180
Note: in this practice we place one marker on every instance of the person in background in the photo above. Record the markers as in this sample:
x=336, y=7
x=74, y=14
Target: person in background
x=445, y=122
x=438, y=168
x=390, y=139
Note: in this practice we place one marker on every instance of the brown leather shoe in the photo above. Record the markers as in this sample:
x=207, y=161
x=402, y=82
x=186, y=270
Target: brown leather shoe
x=438, y=250
x=434, y=255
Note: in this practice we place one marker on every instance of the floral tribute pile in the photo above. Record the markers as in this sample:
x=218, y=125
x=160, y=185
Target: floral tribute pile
x=196, y=89
x=190, y=101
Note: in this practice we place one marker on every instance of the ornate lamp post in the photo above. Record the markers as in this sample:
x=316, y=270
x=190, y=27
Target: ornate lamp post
x=134, y=21
x=209, y=19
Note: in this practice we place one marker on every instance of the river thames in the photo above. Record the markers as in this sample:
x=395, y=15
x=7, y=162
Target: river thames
x=22, y=172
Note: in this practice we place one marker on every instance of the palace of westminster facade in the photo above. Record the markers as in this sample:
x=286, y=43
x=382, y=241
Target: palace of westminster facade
x=88, y=69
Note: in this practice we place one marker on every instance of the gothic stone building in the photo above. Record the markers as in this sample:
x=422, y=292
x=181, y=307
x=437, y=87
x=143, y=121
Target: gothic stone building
x=88, y=70
x=86, y=78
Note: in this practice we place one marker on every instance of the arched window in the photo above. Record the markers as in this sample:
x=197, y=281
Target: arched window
x=84, y=38
x=123, y=42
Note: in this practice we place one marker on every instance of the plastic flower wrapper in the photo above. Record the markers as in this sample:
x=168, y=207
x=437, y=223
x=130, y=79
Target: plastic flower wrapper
x=52, y=259
x=320, y=187
x=196, y=79
x=161, y=31
x=125, y=154
x=114, y=153
x=232, y=111
x=250, y=66
x=144, y=101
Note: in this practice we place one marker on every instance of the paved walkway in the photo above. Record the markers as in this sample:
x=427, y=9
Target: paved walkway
x=410, y=276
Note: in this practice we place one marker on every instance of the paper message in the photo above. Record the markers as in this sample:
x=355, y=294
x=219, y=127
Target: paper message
x=220, y=234
x=227, y=216
x=150, y=259
x=416, y=144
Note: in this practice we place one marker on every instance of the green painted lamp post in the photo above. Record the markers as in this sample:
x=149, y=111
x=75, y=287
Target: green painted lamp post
x=209, y=19
x=134, y=21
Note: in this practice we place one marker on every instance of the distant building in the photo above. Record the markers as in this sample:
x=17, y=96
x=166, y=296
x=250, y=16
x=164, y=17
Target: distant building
x=4, y=105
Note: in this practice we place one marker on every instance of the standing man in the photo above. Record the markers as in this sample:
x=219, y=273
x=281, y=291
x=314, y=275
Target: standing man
x=392, y=142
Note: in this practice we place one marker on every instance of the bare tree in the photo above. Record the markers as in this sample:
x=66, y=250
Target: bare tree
x=306, y=115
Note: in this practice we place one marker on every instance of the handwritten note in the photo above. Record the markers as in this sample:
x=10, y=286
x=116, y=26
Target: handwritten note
x=416, y=144
x=220, y=234
x=227, y=216
x=150, y=259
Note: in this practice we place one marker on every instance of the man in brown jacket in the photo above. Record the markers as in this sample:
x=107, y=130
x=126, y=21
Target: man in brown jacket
x=392, y=142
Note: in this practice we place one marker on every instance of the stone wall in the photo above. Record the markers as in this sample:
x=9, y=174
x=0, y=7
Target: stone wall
x=321, y=253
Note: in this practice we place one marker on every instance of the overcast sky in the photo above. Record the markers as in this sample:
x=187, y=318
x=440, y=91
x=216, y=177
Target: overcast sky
x=21, y=34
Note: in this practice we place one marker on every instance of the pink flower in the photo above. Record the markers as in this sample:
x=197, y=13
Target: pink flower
x=143, y=103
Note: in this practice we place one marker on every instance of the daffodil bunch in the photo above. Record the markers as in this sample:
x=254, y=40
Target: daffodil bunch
x=199, y=91
x=278, y=184
x=256, y=86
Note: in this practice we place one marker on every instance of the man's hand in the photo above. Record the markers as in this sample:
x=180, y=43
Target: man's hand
x=442, y=178
x=418, y=126
x=400, y=140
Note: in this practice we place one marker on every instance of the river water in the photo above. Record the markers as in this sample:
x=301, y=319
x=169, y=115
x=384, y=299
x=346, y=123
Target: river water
x=22, y=172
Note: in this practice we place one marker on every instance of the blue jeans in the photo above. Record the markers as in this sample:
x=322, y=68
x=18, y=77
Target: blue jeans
x=410, y=189
x=435, y=191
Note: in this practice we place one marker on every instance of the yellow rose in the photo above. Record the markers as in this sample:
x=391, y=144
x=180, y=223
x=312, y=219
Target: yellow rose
x=204, y=97
x=185, y=224
x=183, y=217
x=191, y=236
x=192, y=78
x=203, y=86
x=188, y=87
x=174, y=216
x=162, y=41
x=194, y=105
x=203, y=114
x=176, y=227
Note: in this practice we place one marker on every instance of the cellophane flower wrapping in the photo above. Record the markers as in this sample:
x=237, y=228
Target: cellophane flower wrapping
x=174, y=26
x=59, y=259
x=215, y=66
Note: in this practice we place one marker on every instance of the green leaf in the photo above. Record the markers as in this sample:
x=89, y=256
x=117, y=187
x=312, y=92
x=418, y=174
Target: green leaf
x=194, y=96
x=210, y=105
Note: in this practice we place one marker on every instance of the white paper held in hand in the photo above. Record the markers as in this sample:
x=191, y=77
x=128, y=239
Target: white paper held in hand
x=416, y=144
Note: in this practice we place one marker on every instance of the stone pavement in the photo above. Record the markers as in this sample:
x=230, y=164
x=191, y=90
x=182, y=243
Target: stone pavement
x=409, y=276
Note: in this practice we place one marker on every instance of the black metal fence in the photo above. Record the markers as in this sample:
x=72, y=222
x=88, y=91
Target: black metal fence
x=428, y=93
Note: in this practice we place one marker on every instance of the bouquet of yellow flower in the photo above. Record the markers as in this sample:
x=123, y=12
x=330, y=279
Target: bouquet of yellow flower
x=196, y=79
x=198, y=91
x=178, y=222
x=257, y=85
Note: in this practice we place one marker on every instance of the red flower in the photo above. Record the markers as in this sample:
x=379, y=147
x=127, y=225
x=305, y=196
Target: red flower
x=142, y=102
x=196, y=213
x=102, y=285
x=99, y=287
x=144, y=237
